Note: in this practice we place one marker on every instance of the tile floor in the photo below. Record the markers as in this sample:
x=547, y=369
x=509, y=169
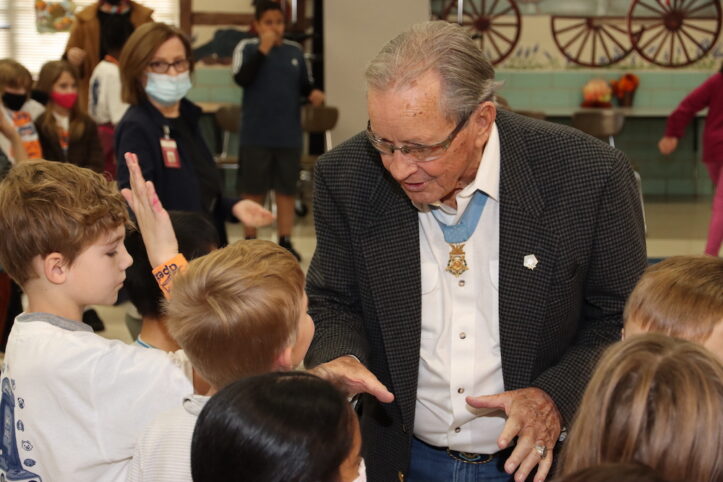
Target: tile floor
x=674, y=227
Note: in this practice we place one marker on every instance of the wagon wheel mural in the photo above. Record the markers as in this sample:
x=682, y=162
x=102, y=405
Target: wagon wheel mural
x=674, y=33
x=591, y=41
x=494, y=23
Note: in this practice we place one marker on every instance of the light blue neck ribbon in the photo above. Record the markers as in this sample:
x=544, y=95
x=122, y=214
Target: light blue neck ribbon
x=460, y=232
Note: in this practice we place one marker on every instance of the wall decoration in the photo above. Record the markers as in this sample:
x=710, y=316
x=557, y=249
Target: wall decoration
x=53, y=17
x=620, y=34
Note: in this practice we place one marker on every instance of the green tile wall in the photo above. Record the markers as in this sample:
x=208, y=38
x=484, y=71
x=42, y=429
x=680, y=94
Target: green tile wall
x=680, y=174
x=538, y=90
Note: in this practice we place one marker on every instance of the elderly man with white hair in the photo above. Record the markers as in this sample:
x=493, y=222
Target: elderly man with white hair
x=471, y=265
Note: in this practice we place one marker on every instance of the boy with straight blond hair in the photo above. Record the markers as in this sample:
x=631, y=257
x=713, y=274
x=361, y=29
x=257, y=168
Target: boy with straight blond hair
x=682, y=297
x=73, y=403
x=236, y=312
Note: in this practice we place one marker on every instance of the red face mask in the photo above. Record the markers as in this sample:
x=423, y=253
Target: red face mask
x=66, y=101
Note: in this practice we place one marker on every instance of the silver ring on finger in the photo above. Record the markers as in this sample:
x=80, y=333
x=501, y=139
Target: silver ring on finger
x=541, y=450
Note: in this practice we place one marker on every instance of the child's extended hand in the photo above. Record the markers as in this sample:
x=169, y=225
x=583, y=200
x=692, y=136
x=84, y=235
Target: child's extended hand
x=666, y=145
x=153, y=221
x=252, y=214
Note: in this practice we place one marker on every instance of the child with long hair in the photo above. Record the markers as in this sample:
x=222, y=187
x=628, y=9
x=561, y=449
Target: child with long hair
x=67, y=134
x=655, y=400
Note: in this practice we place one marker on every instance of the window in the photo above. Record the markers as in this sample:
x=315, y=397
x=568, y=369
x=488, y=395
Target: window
x=20, y=40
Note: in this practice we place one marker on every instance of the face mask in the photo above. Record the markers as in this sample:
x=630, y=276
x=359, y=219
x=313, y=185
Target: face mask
x=14, y=101
x=362, y=477
x=167, y=89
x=66, y=101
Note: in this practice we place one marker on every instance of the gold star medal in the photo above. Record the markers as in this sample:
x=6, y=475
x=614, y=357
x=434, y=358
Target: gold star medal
x=456, y=264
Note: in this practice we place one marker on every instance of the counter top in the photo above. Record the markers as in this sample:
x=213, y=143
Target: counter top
x=628, y=111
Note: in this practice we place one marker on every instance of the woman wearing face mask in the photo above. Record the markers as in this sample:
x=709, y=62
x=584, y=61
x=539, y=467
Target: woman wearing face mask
x=162, y=128
x=66, y=133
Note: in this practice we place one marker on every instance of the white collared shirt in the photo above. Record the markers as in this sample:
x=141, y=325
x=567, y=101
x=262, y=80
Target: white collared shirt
x=460, y=343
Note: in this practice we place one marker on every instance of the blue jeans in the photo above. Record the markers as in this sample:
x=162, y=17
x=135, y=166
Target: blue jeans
x=431, y=464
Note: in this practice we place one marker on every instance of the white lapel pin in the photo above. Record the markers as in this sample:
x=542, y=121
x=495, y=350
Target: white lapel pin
x=530, y=261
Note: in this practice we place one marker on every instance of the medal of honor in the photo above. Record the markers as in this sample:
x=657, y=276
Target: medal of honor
x=457, y=235
x=456, y=264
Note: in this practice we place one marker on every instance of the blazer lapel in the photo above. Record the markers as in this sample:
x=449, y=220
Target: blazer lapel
x=391, y=255
x=523, y=232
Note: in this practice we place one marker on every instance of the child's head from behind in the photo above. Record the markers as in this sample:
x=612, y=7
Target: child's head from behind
x=656, y=400
x=275, y=427
x=681, y=297
x=196, y=237
x=240, y=311
x=58, y=211
x=15, y=84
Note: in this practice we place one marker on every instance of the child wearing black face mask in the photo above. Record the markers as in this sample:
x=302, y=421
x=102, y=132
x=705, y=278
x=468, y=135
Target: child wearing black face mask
x=19, y=111
x=66, y=133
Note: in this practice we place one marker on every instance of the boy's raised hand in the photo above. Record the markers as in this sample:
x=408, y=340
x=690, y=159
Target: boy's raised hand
x=153, y=221
x=252, y=213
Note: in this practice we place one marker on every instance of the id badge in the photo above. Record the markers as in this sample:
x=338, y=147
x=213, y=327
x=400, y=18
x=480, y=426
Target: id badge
x=169, y=149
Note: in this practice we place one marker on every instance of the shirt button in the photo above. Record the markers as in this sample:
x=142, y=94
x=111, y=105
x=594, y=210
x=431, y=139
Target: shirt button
x=460, y=390
x=462, y=336
x=457, y=430
x=461, y=283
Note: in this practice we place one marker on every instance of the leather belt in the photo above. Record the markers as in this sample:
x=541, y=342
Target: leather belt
x=470, y=457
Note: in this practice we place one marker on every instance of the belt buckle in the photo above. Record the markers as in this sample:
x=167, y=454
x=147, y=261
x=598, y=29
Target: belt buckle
x=470, y=458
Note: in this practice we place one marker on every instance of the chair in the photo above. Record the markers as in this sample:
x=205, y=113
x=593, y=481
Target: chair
x=602, y=123
x=606, y=123
x=228, y=120
x=314, y=120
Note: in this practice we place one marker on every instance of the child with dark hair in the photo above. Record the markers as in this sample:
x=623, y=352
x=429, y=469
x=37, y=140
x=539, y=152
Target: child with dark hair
x=277, y=427
x=196, y=237
x=105, y=105
x=274, y=75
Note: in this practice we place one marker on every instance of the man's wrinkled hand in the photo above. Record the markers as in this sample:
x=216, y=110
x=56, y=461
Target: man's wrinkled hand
x=350, y=376
x=533, y=418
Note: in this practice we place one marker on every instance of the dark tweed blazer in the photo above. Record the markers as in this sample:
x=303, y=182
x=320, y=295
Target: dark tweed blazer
x=565, y=197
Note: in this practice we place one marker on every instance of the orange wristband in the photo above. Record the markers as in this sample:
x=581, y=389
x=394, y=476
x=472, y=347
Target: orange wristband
x=164, y=273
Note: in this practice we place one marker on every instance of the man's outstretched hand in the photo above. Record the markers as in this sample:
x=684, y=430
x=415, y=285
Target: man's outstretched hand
x=533, y=418
x=350, y=376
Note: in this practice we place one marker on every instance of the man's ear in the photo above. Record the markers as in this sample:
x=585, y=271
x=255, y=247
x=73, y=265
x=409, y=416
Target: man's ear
x=283, y=360
x=55, y=268
x=483, y=118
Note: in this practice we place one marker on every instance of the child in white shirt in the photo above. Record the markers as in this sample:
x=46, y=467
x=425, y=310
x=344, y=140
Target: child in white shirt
x=73, y=403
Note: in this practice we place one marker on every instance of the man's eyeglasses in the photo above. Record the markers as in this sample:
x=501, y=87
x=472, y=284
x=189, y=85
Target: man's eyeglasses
x=419, y=152
x=161, y=67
